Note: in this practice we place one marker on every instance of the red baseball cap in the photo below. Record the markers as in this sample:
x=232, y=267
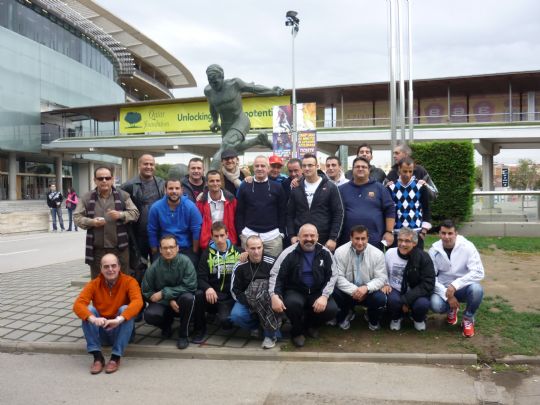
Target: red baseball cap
x=275, y=160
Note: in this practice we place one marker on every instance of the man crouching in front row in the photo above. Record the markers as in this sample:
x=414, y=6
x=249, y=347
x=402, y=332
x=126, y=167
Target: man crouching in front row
x=109, y=320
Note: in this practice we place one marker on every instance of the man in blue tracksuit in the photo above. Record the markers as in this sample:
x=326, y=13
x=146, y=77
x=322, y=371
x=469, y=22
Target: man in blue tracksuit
x=175, y=215
x=367, y=202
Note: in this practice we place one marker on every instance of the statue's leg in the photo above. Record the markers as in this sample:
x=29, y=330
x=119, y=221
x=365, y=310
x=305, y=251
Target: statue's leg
x=231, y=140
x=261, y=139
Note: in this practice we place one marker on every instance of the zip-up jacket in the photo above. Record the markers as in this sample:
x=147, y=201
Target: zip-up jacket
x=173, y=278
x=245, y=272
x=289, y=275
x=229, y=215
x=418, y=275
x=184, y=222
x=462, y=269
x=216, y=268
x=372, y=269
x=326, y=211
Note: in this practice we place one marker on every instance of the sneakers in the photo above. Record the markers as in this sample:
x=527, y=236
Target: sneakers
x=254, y=333
x=299, y=341
x=451, y=317
x=468, y=328
x=182, y=343
x=420, y=326
x=268, y=342
x=199, y=337
x=395, y=325
x=346, y=323
x=372, y=327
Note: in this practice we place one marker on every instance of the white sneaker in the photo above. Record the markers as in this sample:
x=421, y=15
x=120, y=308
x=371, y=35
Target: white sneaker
x=420, y=326
x=395, y=325
x=374, y=327
x=268, y=342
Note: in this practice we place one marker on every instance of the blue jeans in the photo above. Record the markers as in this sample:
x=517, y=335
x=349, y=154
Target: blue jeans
x=244, y=319
x=419, y=307
x=118, y=337
x=472, y=295
x=70, y=216
x=54, y=213
x=374, y=302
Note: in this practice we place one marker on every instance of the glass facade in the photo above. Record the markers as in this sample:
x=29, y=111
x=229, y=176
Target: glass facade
x=30, y=21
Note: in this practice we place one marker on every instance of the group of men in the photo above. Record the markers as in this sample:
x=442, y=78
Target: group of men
x=251, y=248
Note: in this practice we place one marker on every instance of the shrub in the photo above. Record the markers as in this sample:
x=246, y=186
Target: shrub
x=451, y=166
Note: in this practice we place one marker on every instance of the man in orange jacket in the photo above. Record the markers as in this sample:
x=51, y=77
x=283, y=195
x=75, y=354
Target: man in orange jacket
x=116, y=300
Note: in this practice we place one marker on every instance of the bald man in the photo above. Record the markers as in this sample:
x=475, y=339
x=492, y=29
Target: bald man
x=301, y=284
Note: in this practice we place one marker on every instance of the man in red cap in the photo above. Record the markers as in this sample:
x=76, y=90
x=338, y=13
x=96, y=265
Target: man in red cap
x=276, y=163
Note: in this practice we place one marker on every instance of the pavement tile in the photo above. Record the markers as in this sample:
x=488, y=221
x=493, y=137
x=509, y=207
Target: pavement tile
x=63, y=312
x=5, y=331
x=148, y=340
x=17, y=324
x=236, y=342
x=32, y=326
x=216, y=340
x=33, y=317
x=48, y=338
x=15, y=335
x=47, y=328
x=64, y=330
x=78, y=333
x=67, y=339
x=47, y=311
x=49, y=318
x=32, y=337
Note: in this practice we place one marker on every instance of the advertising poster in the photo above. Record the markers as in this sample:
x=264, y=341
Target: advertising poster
x=283, y=132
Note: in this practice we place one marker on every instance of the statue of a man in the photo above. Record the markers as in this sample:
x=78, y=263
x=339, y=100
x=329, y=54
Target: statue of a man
x=225, y=100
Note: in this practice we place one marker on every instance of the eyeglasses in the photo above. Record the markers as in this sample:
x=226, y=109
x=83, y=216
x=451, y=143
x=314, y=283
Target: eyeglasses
x=104, y=178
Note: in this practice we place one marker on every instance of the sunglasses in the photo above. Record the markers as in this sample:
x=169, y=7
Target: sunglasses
x=104, y=178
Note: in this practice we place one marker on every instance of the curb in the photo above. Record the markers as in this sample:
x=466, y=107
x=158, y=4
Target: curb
x=244, y=354
x=519, y=359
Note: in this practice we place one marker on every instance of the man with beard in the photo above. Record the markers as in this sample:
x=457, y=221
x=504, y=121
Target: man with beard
x=301, y=285
x=175, y=215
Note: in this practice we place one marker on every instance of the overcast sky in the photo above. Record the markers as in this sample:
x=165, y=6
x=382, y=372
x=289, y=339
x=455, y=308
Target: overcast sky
x=340, y=41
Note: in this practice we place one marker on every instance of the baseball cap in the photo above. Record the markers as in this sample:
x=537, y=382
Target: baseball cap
x=229, y=153
x=275, y=160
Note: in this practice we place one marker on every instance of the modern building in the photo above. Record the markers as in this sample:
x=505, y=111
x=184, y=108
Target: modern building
x=494, y=111
x=59, y=54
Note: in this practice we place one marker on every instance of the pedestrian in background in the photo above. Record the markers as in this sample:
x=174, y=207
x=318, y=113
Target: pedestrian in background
x=71, y=203
x=54, y=202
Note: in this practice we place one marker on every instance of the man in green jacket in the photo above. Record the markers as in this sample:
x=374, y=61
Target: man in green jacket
x=169, y=286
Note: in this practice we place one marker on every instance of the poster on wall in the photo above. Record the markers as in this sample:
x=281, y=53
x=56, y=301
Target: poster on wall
x=306, y=117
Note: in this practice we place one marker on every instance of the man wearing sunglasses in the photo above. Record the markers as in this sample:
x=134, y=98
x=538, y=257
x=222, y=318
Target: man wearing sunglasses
x=104, y=212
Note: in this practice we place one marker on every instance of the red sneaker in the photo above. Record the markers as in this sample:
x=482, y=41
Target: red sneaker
x=468, y=328
x=451, y=317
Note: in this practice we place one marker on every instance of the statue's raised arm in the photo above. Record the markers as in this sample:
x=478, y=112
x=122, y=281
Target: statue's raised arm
x=225, y=103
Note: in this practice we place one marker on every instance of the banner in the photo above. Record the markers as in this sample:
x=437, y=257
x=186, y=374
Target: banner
x=185, y=117
x=306, y=117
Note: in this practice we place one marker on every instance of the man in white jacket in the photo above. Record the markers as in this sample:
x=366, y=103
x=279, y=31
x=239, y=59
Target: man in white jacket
x=361, y=275
x=459, y=271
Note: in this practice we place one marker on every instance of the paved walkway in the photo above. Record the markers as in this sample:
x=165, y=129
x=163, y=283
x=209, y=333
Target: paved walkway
x=36, y=306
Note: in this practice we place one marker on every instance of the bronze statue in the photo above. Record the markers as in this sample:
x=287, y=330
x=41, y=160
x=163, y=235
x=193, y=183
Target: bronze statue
x=225, y=100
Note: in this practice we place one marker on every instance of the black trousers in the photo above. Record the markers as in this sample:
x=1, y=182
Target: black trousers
x=374, y=302
x=300, y=311
x=222, y=308
x=160, y=315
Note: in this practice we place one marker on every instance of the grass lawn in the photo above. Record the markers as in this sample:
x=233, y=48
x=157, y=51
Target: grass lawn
x=509, y=243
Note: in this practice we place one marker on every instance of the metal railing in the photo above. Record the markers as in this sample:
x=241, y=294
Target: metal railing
x=508, y=206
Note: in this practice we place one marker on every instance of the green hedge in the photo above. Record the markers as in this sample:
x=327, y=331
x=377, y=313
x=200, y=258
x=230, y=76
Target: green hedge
x=451, y=166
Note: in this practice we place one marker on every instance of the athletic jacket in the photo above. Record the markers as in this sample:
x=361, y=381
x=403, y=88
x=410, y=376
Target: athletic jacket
x=215, y=269
x=462, y=269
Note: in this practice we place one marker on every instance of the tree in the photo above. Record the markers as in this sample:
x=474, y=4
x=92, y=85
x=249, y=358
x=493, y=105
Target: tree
x=525, y=177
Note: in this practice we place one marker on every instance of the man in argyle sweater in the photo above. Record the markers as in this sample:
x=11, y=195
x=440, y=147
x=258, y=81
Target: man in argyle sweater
x=412, y=202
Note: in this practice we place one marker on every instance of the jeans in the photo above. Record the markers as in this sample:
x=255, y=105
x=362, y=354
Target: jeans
x=374, y=302
x=471, y=294
x=244, y=319
x=118, y=337
x=54, y=213
x=419, y=307
x=70, y=216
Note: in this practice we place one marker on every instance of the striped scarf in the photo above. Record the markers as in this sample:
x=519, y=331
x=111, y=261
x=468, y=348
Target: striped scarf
x=121, y=229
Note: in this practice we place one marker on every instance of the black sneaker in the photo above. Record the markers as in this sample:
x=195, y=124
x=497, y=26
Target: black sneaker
x=182, y=343
x=299, y=341
x=199, y=337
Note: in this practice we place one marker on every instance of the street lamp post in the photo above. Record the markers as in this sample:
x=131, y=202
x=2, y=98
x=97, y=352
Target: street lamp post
x=294, y=22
